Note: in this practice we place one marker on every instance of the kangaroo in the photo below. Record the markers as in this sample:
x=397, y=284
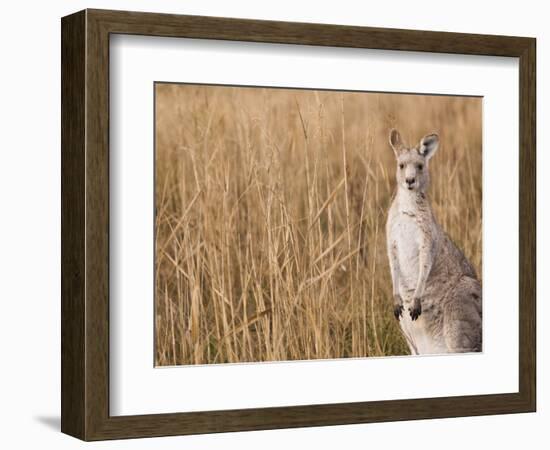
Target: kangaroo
x=432, y=279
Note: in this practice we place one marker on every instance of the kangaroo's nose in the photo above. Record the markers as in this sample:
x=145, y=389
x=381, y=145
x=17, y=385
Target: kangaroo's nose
x=410, y=180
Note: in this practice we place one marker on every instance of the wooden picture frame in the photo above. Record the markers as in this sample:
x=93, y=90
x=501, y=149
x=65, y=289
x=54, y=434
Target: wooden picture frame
x=85, y=224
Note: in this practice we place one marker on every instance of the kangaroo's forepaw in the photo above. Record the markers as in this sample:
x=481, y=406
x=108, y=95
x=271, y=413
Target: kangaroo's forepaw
x=398, y=311
x=397, y=306
x=416, y=310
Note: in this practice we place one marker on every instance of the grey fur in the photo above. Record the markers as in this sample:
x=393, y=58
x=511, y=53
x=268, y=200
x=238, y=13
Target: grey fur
x=437, y=296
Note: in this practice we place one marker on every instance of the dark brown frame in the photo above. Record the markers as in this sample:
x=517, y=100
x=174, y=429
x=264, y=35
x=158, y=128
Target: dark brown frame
x=85, y=224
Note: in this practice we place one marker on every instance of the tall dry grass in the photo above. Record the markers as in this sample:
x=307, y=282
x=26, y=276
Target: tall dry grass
x=270, y=213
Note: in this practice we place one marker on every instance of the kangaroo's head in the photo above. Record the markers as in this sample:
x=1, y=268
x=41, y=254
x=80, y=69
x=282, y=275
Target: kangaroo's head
x=412, y=162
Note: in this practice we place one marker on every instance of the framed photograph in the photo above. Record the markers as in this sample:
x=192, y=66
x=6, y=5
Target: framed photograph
x=272, y=225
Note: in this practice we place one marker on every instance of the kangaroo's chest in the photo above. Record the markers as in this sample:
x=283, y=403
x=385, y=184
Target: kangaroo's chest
x=407, y=237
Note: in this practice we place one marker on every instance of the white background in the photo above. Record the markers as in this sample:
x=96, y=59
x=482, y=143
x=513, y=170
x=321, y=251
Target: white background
x=136, y=387
x=30, y=229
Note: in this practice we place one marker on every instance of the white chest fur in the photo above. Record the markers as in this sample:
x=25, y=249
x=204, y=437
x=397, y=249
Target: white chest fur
x=406, y=237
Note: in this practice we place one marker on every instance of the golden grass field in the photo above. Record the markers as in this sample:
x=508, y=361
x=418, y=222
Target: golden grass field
x=270, y=217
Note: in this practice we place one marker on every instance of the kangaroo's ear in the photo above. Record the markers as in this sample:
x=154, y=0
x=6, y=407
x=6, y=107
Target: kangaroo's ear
x=428, y=145
x=395, y=141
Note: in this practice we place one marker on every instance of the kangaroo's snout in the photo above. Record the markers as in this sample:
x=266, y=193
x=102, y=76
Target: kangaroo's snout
x=410, y=181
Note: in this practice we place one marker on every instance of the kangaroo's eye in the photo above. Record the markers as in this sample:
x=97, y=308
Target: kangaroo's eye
x=401, y=165
x=420, y=166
